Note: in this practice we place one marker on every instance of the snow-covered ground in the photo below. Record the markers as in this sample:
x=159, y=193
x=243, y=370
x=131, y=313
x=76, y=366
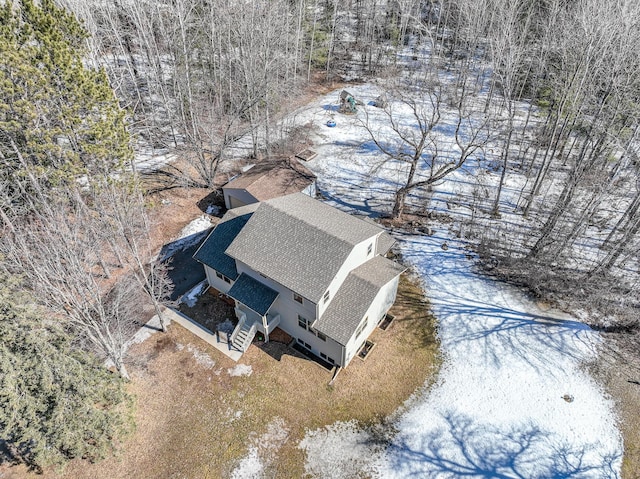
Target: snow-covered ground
x=513, y=398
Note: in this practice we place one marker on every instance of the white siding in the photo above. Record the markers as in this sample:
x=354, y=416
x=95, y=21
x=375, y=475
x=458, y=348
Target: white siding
x=285, y=304
x=216, y=282
x=236, y=197
x=329, y=348
x=289, y=309
x=379, y=307
x=357, y=256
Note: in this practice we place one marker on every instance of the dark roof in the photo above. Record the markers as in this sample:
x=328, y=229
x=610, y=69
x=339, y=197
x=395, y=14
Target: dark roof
x=273, y=178
x=300, y=242
x=212, y=251
x=353, y=299
x=253, y=294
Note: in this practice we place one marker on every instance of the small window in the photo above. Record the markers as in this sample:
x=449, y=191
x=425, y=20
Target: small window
x=219, y=275
x=330, y=360
x=226, y=280
x=369, y=249
x=321, y=336
x=298, y=298
x=323, y=356
x=326, y=296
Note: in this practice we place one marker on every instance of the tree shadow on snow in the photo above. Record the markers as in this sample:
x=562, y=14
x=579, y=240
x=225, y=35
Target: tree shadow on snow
x=463, y=448
x=495, y=320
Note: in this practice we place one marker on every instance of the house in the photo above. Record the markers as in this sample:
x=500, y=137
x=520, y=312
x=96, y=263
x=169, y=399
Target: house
x=267, y=180
x=299, y=264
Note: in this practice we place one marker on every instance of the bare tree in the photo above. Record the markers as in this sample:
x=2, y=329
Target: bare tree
x=418, y=146
x=51, y=251
x=126, y=225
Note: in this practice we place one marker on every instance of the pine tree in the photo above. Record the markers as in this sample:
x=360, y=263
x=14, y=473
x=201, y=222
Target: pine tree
x=56, y=403
x=59, y=118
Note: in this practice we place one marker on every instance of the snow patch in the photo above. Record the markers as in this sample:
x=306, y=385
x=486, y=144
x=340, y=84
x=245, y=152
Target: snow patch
x=240, y=370
x=191, y=297
x=188, y=236
x=497, y=409
x=262, y=451
x=250, y=466
x=498, y=405
x=340, y=450
x=201, y=357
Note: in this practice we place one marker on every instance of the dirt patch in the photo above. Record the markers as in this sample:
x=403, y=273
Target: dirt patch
x=210, y=311
x=279, y=336
x=196, y=420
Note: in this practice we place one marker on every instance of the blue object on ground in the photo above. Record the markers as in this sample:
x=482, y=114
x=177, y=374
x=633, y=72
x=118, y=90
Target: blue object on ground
x=331, y=123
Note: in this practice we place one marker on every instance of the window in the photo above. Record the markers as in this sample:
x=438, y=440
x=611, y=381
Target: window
x=306, y=345
x=320, y=336
x=327, y=358
x=304, y=323
x=362, y=326
x=369, y=249
x=223, y=277
x=326, y=296
x=298, y=298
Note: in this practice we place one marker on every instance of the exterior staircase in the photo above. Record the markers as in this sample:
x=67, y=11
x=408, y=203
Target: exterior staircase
x=242, y=335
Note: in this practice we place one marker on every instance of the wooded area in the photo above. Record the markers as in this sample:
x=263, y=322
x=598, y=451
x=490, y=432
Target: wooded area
x=548, y=89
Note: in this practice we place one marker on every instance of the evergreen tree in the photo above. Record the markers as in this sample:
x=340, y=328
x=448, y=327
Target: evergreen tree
x=59, y=118
x=56, y=403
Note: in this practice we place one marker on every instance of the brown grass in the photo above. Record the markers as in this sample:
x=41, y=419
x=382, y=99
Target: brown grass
x=186, y=413
x=619, y=371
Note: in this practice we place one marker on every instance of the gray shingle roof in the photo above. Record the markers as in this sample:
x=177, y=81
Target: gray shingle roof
x=385, y=242
x=299, y=242
x=212, y=251
x=354, y=297
x=253, y=294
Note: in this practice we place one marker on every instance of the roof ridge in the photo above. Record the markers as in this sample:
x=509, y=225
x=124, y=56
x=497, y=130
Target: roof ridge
x=344, y=241
x=329, y=233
